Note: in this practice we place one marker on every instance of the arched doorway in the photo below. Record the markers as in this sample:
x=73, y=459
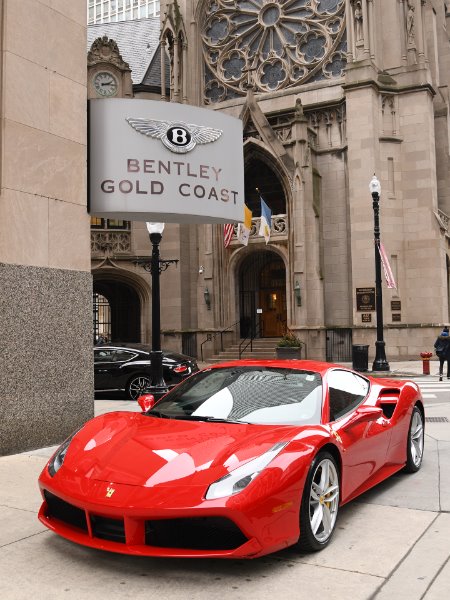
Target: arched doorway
x=262, y=295
x=260, y=175
x=120, y=303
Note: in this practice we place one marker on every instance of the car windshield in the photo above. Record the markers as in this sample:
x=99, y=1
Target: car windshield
x=259, y=395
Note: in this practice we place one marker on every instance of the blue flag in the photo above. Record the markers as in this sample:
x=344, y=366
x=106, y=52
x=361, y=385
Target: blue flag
x=266, y=220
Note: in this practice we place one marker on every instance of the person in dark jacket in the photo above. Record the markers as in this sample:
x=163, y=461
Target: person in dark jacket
x=442, y=347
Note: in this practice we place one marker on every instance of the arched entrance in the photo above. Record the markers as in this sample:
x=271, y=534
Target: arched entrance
x=262, y=295
x=117, y=309
x=261, y=179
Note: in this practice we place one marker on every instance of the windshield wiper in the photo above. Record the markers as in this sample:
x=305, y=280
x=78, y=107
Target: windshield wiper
x=157, y=413
x=209, y=419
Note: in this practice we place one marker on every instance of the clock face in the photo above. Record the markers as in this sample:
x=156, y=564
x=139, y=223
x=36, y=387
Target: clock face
x=105, y=84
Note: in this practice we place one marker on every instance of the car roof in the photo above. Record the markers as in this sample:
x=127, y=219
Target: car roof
x=138, y=347
x=305, y=365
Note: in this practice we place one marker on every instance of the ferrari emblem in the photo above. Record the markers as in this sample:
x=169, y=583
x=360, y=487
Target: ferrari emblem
x=178, y=137
x=109, y=492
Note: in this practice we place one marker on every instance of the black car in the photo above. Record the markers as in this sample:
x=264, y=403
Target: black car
x=126, y=368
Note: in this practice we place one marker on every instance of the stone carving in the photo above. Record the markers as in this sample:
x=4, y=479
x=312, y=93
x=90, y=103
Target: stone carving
x=410, y=17
x=283, y=43
x=359, y=22
x=278, y=229
x=105, y=50
x=109, y=242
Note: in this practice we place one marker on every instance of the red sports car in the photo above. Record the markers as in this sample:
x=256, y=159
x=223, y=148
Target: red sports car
x=239, y=460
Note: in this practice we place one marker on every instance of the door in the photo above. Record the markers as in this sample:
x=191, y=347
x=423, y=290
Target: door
x=273, y=317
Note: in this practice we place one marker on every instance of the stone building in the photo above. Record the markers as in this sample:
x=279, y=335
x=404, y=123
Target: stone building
x=329, y=92
x=46, y=380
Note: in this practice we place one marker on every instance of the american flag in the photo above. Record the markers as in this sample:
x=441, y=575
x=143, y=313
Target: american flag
x=228, y=230
x=390, y=281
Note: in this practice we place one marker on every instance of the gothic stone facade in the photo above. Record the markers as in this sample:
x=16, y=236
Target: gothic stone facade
x=330, y=92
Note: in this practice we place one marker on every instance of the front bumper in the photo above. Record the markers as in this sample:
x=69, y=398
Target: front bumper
x=159, y=522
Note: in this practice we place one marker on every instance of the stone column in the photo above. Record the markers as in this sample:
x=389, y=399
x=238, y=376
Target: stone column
x=163, y=70
x=402, y=19
x=371, y=30
x=349, y=21
x=184, y=67
x=365, y=29
x=419, y=31
x=176, y=70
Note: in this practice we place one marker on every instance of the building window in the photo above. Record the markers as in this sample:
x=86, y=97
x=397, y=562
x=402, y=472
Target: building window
x=101, y=318
x=99, y=223
x=106, y=11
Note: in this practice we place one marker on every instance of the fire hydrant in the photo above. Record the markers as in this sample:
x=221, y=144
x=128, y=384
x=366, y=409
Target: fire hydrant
x=426, y=362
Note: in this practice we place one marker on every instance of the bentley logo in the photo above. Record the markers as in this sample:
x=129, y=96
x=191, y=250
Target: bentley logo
x=109, y=492
x=178, y=137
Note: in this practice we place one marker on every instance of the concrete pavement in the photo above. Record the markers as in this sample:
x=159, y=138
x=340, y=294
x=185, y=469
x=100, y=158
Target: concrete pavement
x=392, y=542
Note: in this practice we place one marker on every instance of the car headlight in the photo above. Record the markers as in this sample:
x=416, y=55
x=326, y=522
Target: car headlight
x=239, y=479
x=58, y=458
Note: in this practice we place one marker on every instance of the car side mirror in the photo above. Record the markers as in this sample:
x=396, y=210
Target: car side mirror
x=365, y=414
x=146, y=402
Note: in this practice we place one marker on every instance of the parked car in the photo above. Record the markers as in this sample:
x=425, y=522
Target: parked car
x=125, y=368
x=241, y=459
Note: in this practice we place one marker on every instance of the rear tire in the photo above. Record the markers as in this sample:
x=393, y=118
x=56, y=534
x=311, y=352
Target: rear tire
x=415, y=442
x=138, y=385
x=320, y=503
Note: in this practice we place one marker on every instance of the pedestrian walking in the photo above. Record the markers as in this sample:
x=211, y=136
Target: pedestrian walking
x=442, y=347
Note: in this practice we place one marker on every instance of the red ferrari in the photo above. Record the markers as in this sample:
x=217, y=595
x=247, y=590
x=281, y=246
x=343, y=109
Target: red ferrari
x=239, y=460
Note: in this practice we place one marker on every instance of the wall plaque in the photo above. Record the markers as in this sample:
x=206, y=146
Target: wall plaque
x=396, y=317
x=365, y=299
x=366, y=318
x=396, y=305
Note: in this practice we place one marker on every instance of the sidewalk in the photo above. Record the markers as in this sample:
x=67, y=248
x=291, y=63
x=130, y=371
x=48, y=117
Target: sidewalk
x=392, y=542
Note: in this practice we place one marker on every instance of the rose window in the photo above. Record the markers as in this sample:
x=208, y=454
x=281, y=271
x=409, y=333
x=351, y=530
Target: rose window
x=277, y=44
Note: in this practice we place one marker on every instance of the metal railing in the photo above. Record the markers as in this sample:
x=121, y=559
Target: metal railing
x=212, y=336
x=248, y=341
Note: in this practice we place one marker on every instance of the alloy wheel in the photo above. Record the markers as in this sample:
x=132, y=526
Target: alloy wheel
x=324, y=500
x=138, y=386
x=416, y=438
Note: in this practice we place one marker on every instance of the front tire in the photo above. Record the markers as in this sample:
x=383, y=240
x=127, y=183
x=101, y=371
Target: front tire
x=138, y=385
x=415, y=442
x=320, y=503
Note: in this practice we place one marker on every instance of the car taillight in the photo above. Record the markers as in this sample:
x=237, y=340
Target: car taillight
x=181, y=369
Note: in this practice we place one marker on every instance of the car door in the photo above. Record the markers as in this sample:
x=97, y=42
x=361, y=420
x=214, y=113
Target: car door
x=103, y=365
x=365, y=444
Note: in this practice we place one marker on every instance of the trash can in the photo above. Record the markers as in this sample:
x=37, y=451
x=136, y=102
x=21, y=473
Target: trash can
x=360, y=357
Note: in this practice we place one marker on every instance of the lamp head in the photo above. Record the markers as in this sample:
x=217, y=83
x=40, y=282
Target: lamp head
x=207, y=298
x=374, y=185
x=155, y=227
x=298, y=293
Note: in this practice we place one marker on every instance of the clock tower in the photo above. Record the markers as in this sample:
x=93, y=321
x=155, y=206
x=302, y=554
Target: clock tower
x=109, y=76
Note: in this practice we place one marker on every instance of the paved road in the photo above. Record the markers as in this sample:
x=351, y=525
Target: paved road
x=392, y=543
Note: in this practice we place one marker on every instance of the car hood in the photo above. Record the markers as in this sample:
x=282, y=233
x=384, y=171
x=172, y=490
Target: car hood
x=135, y=449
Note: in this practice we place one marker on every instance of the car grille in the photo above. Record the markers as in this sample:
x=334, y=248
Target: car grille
x=102, y=527
x=108, y=529
x=197, y=533
x=65, y=512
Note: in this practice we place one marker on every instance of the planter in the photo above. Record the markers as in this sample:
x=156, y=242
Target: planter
x=289, y=352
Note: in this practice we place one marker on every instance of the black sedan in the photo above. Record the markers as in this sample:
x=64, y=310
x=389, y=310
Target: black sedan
x=126, y=368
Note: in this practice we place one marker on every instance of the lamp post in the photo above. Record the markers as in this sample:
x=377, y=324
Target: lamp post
x=157, y=379
x=380, y=363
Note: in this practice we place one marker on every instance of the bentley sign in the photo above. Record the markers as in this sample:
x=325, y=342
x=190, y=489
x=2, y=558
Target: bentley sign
x=162, y=161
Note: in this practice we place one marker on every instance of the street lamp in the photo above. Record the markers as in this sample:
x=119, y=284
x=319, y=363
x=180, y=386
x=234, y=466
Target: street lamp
x=380, y=363
x=157, y=379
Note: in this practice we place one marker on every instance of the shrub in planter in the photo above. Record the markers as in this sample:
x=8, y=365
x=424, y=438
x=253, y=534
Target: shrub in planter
x=290, y=346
